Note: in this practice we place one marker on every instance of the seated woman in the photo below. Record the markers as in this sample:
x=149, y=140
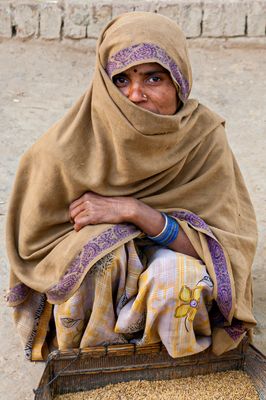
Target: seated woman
x=129, y=219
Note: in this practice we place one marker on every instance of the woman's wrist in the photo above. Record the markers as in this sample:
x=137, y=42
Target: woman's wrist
x=147, y=219
x=152, y=222
x=169, y=233
x=128, y=209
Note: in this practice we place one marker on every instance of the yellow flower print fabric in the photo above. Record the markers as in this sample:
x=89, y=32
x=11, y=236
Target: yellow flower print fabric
x=190, y=299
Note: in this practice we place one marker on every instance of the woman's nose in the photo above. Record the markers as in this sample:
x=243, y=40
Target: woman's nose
x=135, y=92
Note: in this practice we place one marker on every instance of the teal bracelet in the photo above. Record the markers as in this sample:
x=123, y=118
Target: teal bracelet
x=169, y=232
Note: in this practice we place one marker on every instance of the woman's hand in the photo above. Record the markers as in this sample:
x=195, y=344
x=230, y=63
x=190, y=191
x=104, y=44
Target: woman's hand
x=92, y=209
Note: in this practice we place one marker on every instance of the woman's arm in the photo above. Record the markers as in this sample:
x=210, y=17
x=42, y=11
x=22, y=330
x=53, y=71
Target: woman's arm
x=151, y=222
x=91, y=209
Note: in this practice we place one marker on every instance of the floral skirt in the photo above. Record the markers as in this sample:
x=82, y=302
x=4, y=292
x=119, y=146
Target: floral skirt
x=140, y=293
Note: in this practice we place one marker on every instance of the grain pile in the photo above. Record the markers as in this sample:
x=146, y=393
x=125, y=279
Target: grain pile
x=230, y=385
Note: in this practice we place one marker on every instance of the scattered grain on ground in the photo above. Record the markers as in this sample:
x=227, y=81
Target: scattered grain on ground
x=229, y=385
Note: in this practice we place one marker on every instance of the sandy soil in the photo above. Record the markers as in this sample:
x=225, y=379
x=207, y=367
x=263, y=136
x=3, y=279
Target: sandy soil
x=38, y=84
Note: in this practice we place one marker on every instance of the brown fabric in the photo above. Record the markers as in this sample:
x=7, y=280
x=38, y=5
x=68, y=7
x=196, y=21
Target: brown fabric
x=110, y=146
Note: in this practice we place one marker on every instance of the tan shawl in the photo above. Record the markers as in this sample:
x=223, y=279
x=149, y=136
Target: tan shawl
x=108, y=145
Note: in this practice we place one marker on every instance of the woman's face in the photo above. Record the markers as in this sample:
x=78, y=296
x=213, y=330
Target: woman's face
x=149, y=86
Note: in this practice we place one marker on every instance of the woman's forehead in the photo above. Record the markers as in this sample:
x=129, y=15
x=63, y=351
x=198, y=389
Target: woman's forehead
x=145, y=68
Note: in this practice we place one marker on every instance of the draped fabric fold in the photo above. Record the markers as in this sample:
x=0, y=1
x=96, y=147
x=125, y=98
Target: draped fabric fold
x=181, y=164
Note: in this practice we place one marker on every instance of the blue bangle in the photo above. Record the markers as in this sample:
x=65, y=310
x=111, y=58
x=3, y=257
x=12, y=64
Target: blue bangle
x=169, y=232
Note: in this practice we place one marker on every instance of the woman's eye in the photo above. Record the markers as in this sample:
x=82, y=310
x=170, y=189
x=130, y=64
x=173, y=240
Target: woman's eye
x=154, y=79
x=119, y=81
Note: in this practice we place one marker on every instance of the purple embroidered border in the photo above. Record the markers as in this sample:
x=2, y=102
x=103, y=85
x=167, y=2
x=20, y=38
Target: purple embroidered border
x=224, y=292
x=89, y=252
x=37, y=316
x=17, y=294
x=147, y=51
x=235, y=330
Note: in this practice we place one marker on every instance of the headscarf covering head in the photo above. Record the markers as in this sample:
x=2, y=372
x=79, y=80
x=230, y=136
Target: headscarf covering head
x=142, y=43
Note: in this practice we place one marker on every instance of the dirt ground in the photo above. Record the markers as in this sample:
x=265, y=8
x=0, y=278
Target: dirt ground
x=38, y=84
